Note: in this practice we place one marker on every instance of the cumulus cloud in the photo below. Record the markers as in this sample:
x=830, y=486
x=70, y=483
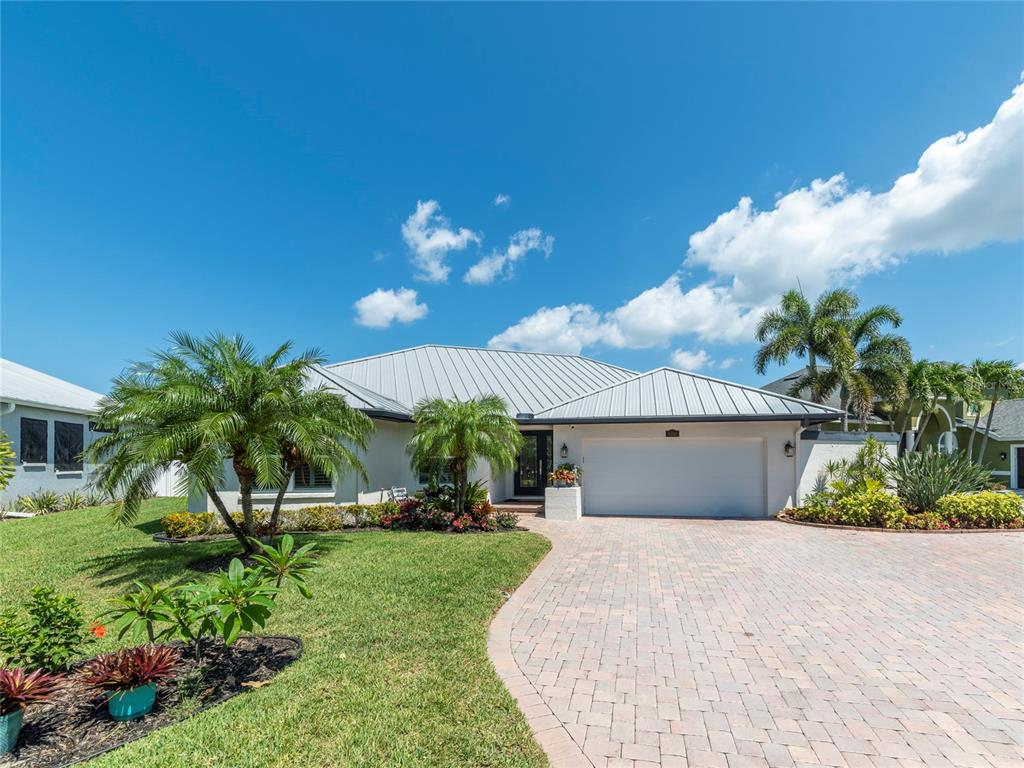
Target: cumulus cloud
x=502, y=200
x=520, y=244
x=566, y=329
x=690, y=361
x=966, y=190
x=383, y=307
x=430, y=237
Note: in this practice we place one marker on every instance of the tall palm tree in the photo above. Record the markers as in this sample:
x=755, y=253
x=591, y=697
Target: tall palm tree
x=206, y=401
x=1001, y=379
x=919, y=390
x=878, y=365
x=951, y=381
x=459, y=433
x=796, y=328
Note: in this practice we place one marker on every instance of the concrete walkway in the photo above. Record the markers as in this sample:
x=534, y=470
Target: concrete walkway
x=730, y=643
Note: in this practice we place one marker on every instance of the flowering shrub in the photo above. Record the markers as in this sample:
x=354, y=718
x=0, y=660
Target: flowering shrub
x=182, y=525
x=321, y=517
x=926, y=521
x=506, y=520
x=131, y=667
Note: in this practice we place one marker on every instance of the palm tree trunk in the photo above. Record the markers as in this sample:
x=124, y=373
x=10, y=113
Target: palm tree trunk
x=844, y=403
x=988, y=423
x=275, y=516
x=232, y=526
x=925, y=418
x=245, y=478
x=812, y=368
x=974, y=431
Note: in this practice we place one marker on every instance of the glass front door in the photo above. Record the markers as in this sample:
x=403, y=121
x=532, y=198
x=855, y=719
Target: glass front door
x=534, y=463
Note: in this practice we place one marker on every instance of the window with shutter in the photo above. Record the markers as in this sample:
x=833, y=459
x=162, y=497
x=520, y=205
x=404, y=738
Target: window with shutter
x=308, y=477
x=68, y=444
x=33, y=441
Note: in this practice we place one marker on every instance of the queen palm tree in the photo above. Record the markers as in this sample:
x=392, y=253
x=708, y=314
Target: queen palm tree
x=207, y=401
x=458, y=433
x=796, y=328
x=1001, y=379
x=919, y=390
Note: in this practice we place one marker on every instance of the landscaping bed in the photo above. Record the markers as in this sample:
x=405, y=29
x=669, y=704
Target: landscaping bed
x=74, y=726
x=787, y=517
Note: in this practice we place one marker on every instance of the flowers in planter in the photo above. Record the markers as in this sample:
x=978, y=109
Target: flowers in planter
x=18, y=689
x=565, y=476
x=130, y=677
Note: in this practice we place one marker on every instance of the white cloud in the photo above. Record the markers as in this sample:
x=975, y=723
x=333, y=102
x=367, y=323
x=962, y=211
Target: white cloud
x=429, y=236
x=967, y=190
x=690, y=361
x=381, y=308
x=565, y=329
x=728, y=363
x=520, y=244
x=502, y=200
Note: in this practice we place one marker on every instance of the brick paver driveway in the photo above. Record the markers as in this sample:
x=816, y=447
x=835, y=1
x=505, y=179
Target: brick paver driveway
x=730, y=643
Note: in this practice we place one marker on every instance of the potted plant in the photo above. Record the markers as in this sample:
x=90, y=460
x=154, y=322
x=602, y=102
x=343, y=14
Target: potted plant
x=129, y=677
x=565, y=476
x=17, y=689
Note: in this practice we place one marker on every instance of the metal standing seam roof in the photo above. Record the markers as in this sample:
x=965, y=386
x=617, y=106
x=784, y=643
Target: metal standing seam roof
x=355, y=395
x=528, y=381
x=670, y=394
x=24, y=385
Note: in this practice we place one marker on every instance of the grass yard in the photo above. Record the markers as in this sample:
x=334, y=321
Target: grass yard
x=395, y=670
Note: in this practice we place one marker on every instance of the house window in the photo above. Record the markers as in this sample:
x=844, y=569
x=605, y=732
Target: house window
x=440, y=476
x=33, y=441
x=68, y=444
x=308, y=477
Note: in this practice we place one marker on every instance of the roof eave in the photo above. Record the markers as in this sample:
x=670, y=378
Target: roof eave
x=805, y=418
x=48, y=406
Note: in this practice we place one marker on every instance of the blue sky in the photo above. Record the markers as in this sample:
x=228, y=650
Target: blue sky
x=257, y=168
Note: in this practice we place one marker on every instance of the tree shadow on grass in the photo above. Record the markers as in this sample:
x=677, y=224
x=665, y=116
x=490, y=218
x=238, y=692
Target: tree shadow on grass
x=172, y=563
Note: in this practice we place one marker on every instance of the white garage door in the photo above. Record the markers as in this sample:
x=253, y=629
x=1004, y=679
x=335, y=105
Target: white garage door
x=674, y=477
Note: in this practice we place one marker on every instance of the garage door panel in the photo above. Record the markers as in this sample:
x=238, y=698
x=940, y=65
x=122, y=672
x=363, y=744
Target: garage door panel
x=674, y=477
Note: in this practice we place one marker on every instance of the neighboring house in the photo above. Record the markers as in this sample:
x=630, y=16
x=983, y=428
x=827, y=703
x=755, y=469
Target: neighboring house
x=48, y=422
x=1004, y=452
x=877, y=422
x=665, y=442
x=949, y=429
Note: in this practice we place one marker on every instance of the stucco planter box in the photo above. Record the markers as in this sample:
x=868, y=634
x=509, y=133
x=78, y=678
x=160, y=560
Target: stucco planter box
x=563, y=503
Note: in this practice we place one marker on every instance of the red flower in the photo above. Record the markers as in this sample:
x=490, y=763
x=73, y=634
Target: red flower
x=98, y=630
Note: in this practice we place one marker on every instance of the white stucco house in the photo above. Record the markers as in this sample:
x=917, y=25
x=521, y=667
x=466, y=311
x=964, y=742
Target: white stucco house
x=661, y=443
x=48, y=421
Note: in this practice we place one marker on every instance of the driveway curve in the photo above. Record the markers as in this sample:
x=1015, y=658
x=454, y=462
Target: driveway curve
x=641, y=642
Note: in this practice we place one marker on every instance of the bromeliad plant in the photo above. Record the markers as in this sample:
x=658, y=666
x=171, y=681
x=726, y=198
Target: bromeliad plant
x=131, y=668
x=18, y=689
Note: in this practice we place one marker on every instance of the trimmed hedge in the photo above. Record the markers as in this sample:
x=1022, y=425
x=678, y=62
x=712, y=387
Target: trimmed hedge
x=323, y=517
x=981, y=510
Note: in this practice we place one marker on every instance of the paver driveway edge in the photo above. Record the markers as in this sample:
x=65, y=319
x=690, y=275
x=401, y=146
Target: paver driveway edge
x=554, y=739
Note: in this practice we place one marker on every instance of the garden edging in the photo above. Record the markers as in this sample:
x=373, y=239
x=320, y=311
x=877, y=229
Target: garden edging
x=792, y=521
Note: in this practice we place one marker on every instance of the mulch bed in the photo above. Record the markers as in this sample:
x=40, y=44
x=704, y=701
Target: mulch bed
x=879, y=529
x=74, y=725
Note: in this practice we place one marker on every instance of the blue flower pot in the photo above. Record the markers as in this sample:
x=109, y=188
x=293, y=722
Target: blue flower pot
x=10, y=727
x=128, y=705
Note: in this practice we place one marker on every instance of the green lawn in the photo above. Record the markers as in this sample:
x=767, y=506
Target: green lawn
x=395, y=669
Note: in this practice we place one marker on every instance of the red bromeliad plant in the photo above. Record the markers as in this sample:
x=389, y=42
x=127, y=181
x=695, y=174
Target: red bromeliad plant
x=19, y=688
x=129, y=668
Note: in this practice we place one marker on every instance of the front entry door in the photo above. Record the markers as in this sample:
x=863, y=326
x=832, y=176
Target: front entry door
x=534, y=463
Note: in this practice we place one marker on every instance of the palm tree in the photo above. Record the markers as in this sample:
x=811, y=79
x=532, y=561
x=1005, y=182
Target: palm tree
x=205, y=401
x=7, y=460
x=1001, y=379
x=795, y=328
x=458, y=433
x=951, y=381
x=919, y=390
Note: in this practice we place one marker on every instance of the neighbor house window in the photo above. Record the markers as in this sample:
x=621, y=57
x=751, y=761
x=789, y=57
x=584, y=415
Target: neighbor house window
x=68, y=444
x=308, y=477
x=33, y=441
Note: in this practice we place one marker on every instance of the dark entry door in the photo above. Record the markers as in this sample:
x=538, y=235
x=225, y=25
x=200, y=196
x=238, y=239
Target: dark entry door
x=534, y=464
x=1020, y=468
